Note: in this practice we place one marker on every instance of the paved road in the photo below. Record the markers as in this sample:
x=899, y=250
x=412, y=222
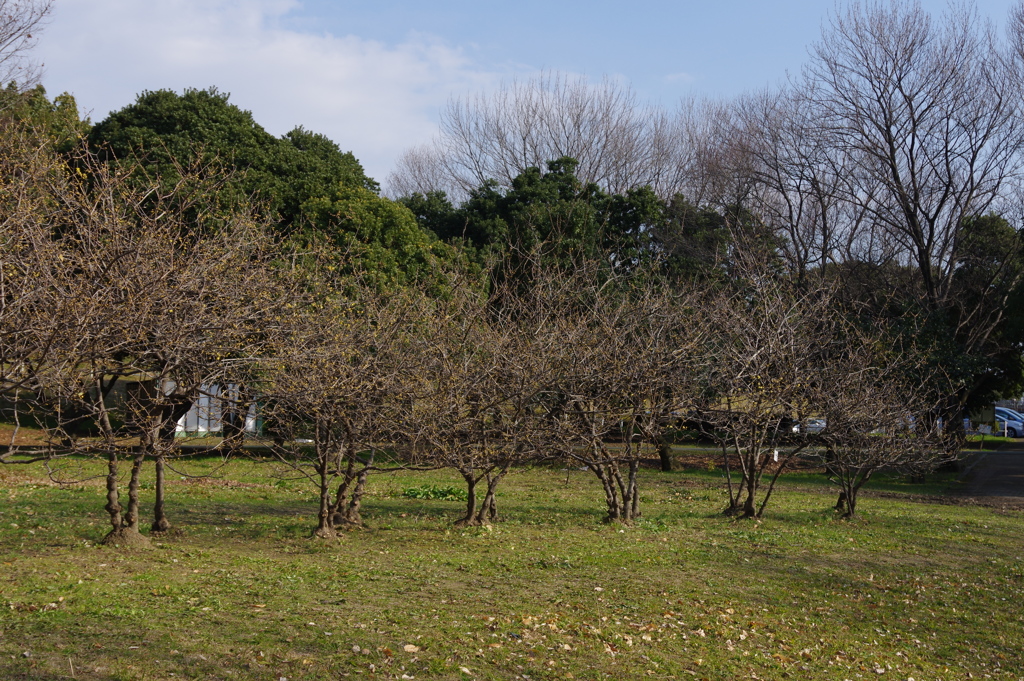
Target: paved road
x=997, y=477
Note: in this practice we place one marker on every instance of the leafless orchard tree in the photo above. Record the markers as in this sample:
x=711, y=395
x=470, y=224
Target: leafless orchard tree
x=338, y=389
x=620, y=355
x=149, y=310
x=619, y=142
x=763, y=348
x=28, y=256
x=872, y=399
x=209, y=322
x=482, y=376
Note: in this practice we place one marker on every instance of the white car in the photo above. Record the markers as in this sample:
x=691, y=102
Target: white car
x=810, y=426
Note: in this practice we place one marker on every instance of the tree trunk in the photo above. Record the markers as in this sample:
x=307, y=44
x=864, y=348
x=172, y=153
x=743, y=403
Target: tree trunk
x=747, y=486
x=611, y=495
x=851, y=504
x=734, y=498
x=113, y=507
x=749, y=506
x=470, y=518
x=164, y=442
x=121, y=533
x=488, y=511
x=624, y=493
x=351, y=514
x=341, y=494
x=853, y=489
x=634, y=490
x=128, y=534
x=665, y=453
x=160, y=522
x=325, y=520
x=131, y=520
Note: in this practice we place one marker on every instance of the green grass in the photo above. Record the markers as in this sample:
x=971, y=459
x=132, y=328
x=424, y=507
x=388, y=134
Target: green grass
x=989, y=441
x=436, y=493
x=928, y=591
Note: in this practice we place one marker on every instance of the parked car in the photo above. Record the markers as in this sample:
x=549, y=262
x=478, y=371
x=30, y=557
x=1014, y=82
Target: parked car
x=810, y=426
x=1010, y=422
x=1012, y=413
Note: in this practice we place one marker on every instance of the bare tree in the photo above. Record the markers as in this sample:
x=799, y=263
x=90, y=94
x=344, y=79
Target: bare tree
x=619, y=142
x=796, y=181
x=473, y=415
x=872, y=398
x=925, y=113
x=928, y=114
x=421, y=169
x=28, y=256
x=620, y=353
x=715, y=167
x=149, y=309
x=20, y=23
x=219, y=294
x=338, y=390
x=762, y=352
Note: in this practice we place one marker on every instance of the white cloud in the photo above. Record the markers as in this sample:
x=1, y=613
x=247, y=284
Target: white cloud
x=372, y=98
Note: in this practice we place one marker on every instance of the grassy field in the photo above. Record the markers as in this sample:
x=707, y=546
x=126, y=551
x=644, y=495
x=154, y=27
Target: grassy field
x=912, y=589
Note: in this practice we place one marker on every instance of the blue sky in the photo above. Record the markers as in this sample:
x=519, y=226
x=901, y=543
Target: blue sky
x=373, y=76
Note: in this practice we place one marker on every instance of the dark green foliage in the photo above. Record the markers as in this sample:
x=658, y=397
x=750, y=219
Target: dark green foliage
x=58, y=119
x=311, y=165
x=707, y=243
x=553, y=208
x=552, y=214
x=167, y=132
x=317, y=196
x=974, y=336
x=693, y=241
x=435, y=212
x=986, y=310
x=355, y=227
x=632, y=220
